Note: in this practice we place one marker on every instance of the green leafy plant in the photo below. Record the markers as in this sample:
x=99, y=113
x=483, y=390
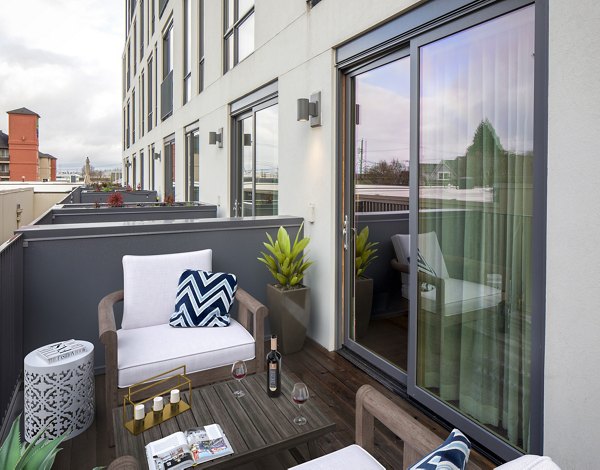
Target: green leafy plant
x=287, y=262
x=365, y=252
x=39, y=455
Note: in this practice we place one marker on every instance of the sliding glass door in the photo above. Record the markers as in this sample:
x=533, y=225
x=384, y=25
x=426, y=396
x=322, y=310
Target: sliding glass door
x=379, y=178
x=439, y=172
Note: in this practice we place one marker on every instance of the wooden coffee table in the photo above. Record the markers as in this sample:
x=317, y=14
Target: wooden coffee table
x=255, y=425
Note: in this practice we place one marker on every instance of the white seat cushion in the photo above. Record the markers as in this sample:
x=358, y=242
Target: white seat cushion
x=462, y=297
x=150, y=284
x=352, y=457
x=146, y=352
x=530, y=462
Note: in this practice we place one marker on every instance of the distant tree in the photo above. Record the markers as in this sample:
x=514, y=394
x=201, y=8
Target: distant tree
x=485, y=157
x=392, y=173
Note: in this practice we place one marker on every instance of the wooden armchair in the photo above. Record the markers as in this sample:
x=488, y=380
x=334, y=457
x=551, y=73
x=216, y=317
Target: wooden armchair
x=147, y=345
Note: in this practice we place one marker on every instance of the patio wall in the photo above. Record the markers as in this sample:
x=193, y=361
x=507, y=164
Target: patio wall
x=11, y=324
x=84, y=213
x=69, y=268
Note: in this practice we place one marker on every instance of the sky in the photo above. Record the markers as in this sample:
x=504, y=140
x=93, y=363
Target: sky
x=62, y=59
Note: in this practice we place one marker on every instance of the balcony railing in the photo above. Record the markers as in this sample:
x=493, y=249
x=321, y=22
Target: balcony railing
x=11, y=324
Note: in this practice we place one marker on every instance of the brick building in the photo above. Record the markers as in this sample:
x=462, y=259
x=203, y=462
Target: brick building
x=20, y=158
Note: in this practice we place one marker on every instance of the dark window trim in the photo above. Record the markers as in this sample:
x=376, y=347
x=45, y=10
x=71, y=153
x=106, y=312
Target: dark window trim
x=232, y=31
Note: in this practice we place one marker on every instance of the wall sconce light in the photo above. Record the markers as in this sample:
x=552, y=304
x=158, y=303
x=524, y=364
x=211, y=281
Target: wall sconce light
x=216, y=138
x=247, y=140
x=310, y=109
x=127, y=163
x=156, y=155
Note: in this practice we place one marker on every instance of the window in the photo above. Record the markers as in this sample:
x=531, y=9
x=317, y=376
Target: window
x=124, y=74
x=124, y=128
x=239, y=32
x=192, y=166
x=166, y=87
x=133, y=172
x=201, y=46
x=142, y=31
x=134, y=43
x=449, y=94
x=151, y=166
x=150, y=91
x=127, y=130
x=152, y=18
x=187, y=50
x=140, y=184
x=133, y=117
x=169, y=162
x=142, y=106
x=128, y=65
x=256, y=154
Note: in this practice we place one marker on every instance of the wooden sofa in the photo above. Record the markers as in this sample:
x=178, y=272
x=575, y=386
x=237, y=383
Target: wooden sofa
x=418, y=440
x=207, y=352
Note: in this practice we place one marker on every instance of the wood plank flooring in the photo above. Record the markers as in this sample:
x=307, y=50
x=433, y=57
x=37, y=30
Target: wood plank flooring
x=331, y=379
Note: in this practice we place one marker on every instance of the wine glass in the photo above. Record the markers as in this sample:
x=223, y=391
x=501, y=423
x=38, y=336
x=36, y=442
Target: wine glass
x=300, y=395
x=238, y=372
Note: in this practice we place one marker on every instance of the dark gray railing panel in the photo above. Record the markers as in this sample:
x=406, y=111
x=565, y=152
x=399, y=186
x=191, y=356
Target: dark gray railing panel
x=71, y=214
x=11, y=321
x=70, y=268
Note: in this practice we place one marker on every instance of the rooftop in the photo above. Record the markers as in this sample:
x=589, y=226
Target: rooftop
x=23, y=111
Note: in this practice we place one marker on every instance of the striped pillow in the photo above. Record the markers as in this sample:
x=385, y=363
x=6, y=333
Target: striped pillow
x=203, y=299
x=453, y=454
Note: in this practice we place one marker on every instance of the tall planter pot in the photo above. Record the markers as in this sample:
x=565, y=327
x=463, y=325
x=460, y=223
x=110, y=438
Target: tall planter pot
x=363, y=304
x=289, y=311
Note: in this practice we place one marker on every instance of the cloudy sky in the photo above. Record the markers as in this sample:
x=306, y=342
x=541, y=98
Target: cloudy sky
x=62, y=59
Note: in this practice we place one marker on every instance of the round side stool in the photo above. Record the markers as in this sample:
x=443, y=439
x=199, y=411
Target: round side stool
x=59, y=394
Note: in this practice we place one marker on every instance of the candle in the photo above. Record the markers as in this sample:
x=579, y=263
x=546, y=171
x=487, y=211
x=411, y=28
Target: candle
x=139, y=412
x=174, y=396
x=158, y=404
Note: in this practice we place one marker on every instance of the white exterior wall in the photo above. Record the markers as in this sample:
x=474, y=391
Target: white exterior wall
x=294, y=45
x=572, y=382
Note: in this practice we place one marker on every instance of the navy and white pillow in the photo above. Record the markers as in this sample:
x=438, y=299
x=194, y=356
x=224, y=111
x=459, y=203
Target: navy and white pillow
x=424, y=266
x=453, y=454
x=203, y=299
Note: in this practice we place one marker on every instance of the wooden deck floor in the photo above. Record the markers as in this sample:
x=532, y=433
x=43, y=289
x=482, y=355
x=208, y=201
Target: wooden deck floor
x=331, y=379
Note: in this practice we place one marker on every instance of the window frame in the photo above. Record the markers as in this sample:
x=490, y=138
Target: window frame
x=233, y=32
x=426, y=23
x=187, y=52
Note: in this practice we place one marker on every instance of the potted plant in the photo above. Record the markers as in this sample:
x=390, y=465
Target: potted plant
x=38, y=455
x=365, y=254
x=288, y=299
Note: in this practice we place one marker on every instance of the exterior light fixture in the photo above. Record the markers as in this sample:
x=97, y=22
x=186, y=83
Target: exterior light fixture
x=216, y=138
x=127, y=163
x=310, y=109
x=247, y=140
x=156, y=155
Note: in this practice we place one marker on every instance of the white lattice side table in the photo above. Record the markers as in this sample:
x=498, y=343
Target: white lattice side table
x=59, y=394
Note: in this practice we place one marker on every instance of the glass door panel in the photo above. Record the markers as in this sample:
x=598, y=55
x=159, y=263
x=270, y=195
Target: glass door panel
x=267, y=161
x=380, y=184
x=474, y=253
x=246, y=139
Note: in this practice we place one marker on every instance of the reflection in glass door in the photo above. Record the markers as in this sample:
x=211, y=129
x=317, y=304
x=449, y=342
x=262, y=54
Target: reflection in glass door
x=379, y=210
x=475, y=223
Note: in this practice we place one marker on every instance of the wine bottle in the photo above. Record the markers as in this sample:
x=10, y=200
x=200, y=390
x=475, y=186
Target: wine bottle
x=274, y=370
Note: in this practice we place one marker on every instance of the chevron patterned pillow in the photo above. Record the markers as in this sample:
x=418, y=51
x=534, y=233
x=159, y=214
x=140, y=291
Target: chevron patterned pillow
x=453, y=454
x=203, y=299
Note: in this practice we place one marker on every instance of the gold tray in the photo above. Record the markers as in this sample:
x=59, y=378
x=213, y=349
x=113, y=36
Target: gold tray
x=159, y=385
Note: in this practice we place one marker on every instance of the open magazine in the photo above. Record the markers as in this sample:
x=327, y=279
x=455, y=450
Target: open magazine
x=187, y=449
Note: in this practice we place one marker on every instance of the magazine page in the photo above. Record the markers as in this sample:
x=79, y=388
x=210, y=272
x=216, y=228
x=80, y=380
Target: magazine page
x=208, y=443
x=169, y=453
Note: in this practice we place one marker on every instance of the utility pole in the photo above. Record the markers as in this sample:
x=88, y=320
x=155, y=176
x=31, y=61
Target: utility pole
x=360, y=156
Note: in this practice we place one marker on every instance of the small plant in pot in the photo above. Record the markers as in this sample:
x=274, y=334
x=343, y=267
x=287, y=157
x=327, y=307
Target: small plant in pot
x=288, y=299
x=38, y=455
x=365, y=254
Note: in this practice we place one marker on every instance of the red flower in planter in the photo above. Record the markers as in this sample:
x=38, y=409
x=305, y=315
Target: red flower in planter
x=115, y=200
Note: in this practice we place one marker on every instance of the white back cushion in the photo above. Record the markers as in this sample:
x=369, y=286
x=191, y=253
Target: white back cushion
x=429, y=247
x=530, y=462
x=150, y=284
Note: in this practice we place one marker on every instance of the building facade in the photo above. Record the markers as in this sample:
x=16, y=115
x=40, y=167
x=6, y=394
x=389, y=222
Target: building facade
x=478, y=327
